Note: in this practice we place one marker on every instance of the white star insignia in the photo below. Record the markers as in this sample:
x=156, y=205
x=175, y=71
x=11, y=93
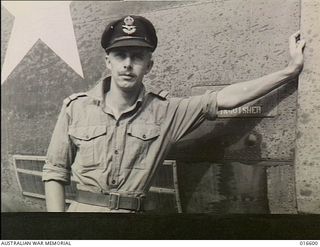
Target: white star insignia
x=49, y=21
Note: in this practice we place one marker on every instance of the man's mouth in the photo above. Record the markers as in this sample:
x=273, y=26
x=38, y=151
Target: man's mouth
x=127, y=76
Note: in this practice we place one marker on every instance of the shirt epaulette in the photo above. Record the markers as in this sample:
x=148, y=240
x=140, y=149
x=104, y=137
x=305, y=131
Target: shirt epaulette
x=164, y=94
x=73, y=97
x=160, y=92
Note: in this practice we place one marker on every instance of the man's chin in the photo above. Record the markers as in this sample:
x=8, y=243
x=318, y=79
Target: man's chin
x=130, y=86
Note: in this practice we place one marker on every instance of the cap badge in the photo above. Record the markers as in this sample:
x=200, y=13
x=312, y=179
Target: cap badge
x=128, y=27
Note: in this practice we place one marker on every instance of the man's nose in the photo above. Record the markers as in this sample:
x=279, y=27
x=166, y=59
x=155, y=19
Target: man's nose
x=127, y=63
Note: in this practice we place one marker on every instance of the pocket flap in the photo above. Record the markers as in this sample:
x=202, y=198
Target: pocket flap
x=144, y=131
x=88, y=132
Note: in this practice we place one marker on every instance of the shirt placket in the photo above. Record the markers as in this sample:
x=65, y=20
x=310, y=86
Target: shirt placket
x=118, y=142
x=119, y=130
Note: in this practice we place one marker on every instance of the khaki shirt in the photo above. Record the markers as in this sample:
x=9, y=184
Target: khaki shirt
x=109, y=155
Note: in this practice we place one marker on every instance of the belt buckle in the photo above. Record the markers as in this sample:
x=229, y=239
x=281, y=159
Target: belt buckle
x=139, y=204
x=117, y=204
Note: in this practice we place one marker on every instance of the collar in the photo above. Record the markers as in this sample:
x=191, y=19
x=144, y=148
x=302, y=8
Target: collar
x=98, y=91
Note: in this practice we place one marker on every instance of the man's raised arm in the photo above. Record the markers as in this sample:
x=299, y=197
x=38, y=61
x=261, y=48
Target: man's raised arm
x=243, y=92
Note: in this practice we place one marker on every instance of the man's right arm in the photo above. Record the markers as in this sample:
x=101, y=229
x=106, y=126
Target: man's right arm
x=55, y=196
x=57, y=168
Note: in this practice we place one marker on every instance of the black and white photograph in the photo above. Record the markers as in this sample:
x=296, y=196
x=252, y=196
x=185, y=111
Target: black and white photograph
x=160, y=119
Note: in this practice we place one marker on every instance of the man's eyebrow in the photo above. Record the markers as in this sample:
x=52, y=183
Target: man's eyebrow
x=132, y=51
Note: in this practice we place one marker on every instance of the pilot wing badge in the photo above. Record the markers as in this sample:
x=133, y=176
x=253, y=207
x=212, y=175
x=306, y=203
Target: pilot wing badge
x=128, y=28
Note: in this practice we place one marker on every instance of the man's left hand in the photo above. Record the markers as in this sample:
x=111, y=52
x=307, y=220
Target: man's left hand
x=296, y=46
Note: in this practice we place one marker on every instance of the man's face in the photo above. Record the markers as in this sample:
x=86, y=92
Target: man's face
x=128, y=65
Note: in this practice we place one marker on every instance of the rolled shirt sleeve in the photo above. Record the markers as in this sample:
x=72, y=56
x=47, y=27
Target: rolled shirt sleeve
x=61, y=151
x=210, y=105
x=187, y=114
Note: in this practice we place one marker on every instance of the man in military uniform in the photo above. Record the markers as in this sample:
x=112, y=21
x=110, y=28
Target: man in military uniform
x=114, y=137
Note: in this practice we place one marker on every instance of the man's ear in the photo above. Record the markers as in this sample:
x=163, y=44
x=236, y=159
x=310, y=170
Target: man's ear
x=108, y=65
x=150, y=65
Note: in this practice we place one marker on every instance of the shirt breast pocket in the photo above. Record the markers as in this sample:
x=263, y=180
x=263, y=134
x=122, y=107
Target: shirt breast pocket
x=140, y=137
x=90, y=141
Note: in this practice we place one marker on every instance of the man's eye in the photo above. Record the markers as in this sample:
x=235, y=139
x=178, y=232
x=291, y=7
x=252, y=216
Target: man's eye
x=138, y=56
x=120, y=55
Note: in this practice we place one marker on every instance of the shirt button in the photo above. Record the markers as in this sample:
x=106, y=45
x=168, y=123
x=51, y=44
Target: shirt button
x=116, y=152
x=144, y=136
x=113, y=181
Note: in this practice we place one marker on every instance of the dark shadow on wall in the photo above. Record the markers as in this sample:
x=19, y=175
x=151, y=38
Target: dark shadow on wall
x=218, y=166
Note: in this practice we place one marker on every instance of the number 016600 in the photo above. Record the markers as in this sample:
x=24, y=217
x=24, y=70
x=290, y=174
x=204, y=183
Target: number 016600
x=309, y=243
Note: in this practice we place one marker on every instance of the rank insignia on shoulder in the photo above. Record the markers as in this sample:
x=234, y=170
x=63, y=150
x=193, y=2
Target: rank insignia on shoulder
x=73, y=97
